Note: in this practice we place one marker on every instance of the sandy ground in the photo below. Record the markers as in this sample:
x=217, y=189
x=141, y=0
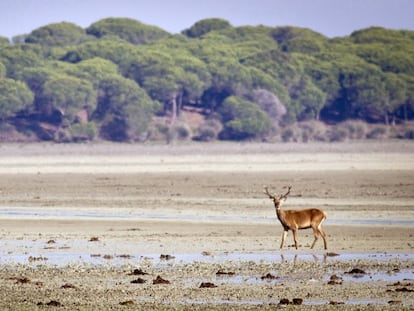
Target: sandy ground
x=78, y=223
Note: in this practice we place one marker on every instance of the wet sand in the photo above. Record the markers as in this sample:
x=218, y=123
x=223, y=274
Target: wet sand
x=77, y=220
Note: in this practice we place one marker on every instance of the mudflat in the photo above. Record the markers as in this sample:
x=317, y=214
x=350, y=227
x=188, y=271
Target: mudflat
x=118, y=226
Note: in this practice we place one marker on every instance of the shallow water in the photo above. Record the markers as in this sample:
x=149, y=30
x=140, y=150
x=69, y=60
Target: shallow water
x=128, y=214
x=60, y=253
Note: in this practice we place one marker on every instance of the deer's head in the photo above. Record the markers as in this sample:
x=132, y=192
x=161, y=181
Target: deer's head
x=277, y=200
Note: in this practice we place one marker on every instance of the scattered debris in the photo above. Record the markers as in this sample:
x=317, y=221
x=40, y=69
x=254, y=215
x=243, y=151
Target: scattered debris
x=138, y=281
x=297, y=301
x=404, y=289
x=284, y=301
x=207, y=285
x=335, y=303
x=68, y=285
x=96, y=255
x=40, y=258
x=94, y=239
x=394, y=302
x=335, y=280
x=125, y=256
x=166, y=257
x=127, y=303
x=401, y=284
x=54, y=303
x=21, y=280
x=108, y=257
x=356, y=271
x=160, y=280
x=221, y=272
x=331, y=254
x=206, y=253
x=269, y=276
x=138, y=272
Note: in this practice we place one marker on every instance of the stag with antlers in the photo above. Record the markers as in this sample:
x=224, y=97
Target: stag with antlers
x=298, y=219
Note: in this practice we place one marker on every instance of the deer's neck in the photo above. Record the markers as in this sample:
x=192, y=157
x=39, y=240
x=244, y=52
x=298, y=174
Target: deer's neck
x=280, y=215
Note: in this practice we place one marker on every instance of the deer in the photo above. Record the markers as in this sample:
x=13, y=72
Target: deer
x=298, y=219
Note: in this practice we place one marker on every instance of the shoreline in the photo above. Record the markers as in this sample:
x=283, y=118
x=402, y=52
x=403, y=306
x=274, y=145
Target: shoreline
x=83, y=219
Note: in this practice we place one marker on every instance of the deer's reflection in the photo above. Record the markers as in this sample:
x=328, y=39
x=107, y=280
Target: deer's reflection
x=303, y=257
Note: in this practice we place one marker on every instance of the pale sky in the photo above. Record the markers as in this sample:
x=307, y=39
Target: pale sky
x=332, y=18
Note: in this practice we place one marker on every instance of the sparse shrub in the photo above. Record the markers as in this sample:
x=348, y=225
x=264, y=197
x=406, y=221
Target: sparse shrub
x=313, y=131
x=378, y=132
x=158, y=130
x=170, y=133
x=356, y=129
x=206, y=134
x=406, y=131
x=83, y=131
x=209, y=130
x=62, y=135
x=291, y=134
x=8, y=133
x=338, y=134
x=181, y=131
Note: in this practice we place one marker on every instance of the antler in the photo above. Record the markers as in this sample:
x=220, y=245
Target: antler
x=287, y=193
x=266, y=191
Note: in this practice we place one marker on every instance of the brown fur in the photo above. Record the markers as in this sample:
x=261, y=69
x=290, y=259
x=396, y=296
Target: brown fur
x=299, y=219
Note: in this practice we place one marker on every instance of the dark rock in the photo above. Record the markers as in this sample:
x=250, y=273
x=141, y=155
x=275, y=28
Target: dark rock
x=138, y=272
x=54, y=303
x=138, y=281
x=356, y=271
x=160, y=280
x=269, y=276
x=208, y=285
x=221, y=272
x=297, y=301
x=284, y=301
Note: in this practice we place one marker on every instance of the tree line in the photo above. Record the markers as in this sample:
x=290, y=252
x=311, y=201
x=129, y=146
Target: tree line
x=122, y=80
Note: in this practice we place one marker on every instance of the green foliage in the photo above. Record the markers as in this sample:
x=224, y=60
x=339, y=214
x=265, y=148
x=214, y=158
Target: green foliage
x=298, y=39
x=83, y=131
x=95, y=70
x=243, y=119
x=18, y=58
x=2, y=71
x=381, y=35
x=205, y=26
x=307, y=100
x=4, y=41
x=14, y=96
x=109, y=47
x=127, y=29
x=118, y=75
x=124, y=109
x=59, y=34
x=67, y=94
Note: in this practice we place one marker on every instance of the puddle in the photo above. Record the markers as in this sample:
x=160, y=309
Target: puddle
x=64, y=252
x=131, y=214
x=352, y=302
x=375, y=276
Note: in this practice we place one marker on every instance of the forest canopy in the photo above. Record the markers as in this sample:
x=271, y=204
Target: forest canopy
x=123, y=80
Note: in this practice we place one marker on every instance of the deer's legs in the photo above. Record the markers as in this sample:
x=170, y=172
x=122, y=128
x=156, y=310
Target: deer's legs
x=295, y=238
x=323, y=234
x=316, y=235
x=316, y=231
x=284, y=234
